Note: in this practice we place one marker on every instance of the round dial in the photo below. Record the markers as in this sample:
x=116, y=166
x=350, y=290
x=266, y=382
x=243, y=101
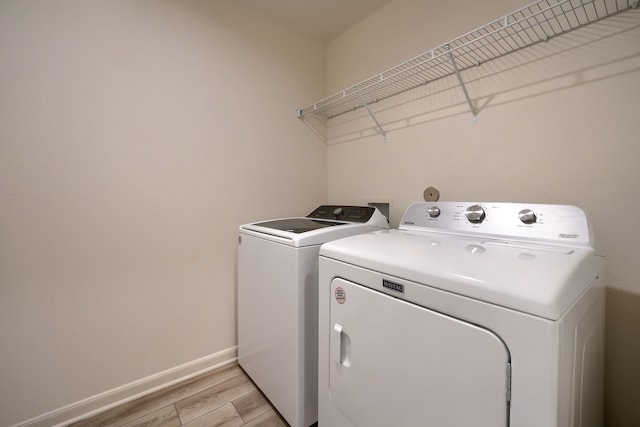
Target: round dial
x=434, y=211
x=527, y=216
x=475, y=214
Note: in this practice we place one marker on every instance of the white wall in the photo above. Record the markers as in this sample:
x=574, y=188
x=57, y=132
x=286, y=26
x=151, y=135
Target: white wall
x=558, y=123
x=134, y=138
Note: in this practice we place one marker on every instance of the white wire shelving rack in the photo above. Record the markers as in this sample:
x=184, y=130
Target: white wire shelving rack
x=534, y=23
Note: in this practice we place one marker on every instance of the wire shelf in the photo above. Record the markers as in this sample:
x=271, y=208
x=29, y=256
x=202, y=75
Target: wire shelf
x=539, y=21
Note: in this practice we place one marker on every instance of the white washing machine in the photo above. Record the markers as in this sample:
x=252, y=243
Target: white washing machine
x=278, y=302
x=471, y=314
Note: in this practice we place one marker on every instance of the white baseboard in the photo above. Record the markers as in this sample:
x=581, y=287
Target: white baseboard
x=128, y=392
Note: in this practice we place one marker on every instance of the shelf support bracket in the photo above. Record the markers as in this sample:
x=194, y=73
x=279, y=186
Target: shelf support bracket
x=382, y=132
x=464, y=88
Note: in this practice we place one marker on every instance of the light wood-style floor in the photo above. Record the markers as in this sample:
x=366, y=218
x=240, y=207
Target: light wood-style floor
x=224, y=397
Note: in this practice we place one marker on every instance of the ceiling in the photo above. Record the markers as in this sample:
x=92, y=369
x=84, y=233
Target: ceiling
x=321, y=19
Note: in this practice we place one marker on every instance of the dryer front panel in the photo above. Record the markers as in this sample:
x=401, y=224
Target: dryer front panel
x=393, y=363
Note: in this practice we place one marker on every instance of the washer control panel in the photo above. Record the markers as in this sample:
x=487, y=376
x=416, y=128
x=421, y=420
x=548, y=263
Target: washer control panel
x=561, y=224
x=343, y=213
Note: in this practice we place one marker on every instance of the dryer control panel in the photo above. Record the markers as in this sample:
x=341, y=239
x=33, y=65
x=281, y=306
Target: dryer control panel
x=559, y=224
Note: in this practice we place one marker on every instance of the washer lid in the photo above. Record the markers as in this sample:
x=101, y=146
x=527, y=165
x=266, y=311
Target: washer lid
x=297, y=225
x=542, y=280
x=325, y=223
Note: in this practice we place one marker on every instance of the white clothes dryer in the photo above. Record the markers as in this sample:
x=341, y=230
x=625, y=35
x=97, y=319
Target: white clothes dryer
x=471, y=314
x=278, y=302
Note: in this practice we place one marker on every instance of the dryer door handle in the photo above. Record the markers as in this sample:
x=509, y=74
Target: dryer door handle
x=340, y=346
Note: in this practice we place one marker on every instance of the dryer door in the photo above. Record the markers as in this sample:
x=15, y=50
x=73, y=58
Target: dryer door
x=394, y=363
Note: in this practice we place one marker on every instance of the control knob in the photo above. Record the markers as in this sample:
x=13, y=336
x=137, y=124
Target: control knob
x=475, y=214
x=434, y=211
x=527, y=216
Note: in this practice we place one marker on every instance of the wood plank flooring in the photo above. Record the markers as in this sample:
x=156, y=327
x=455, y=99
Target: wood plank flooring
x=225, y=397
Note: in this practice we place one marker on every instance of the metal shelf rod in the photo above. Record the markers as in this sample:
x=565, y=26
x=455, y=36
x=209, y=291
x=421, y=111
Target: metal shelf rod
x=463, y=86
x=384, y=134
